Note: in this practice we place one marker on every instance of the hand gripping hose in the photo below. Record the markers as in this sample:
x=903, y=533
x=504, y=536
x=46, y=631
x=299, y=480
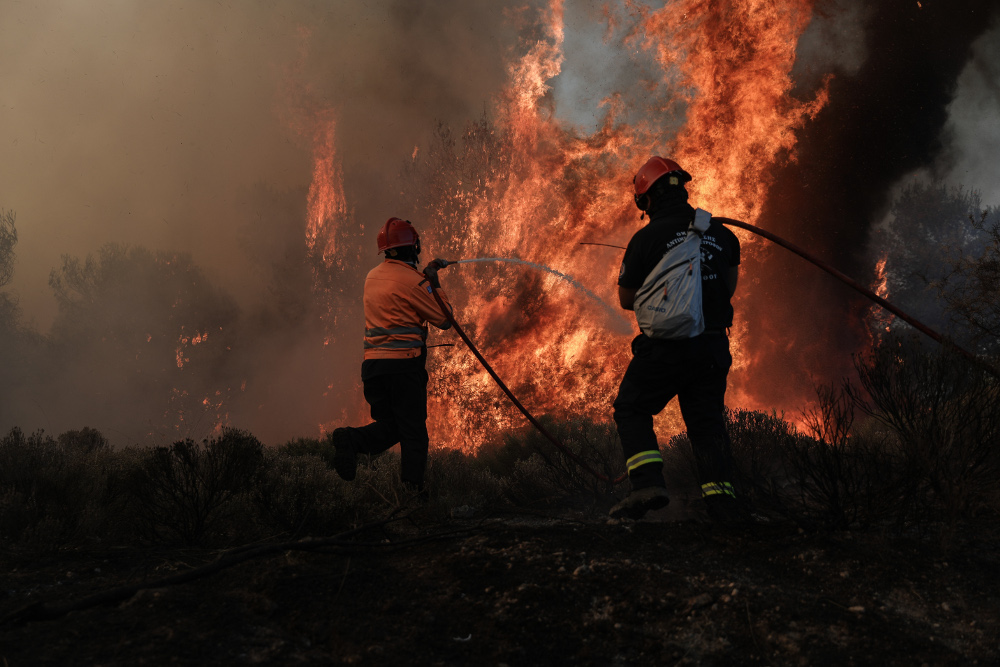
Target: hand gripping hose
x=513, y=399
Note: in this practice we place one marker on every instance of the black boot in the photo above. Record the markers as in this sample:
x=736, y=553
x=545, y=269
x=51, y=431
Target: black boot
x=345, y=460
x=637, y=503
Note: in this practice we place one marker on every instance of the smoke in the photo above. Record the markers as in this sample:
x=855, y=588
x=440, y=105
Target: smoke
x=186, y=127
x=148, y=123
x=598, y=66
x=886, y=118
x=972, y=133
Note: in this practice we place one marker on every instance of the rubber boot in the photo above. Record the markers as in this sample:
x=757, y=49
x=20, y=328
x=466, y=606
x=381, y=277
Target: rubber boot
x=345, y=459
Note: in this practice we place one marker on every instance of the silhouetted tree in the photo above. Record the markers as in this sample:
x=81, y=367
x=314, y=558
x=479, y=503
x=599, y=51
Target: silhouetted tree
x=942, y=252
x=8, y=239
x=141, y=340
x=972, y=288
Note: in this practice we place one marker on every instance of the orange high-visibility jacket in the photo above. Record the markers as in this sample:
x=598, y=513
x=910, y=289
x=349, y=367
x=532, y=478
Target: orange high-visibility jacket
x=397, y=310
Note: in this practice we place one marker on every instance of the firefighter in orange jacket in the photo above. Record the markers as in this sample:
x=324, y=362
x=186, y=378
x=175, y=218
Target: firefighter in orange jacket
x=398, y=306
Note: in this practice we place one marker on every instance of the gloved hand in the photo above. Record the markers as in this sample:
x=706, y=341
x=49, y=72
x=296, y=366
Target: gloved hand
x=431, y=271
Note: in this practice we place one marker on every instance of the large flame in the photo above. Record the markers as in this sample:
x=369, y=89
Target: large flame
x=523, y=185
x=326, y=200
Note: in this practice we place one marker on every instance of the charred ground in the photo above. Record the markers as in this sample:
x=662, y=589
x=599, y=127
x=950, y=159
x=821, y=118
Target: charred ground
x=523, y=589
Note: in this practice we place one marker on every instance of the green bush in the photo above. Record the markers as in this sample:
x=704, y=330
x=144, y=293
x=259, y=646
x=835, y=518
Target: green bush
x=458, y=479
x=549, y=475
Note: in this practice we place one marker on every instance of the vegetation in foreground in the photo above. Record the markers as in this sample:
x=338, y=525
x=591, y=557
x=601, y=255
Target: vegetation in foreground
x=914, y=450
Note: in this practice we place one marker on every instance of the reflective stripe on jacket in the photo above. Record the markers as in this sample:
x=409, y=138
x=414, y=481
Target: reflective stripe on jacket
x=397, y=310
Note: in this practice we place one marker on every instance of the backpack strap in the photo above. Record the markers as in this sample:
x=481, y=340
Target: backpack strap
x=702, y=220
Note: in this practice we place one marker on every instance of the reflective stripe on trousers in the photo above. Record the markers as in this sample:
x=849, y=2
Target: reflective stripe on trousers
x=716, y=489
x=642, y=458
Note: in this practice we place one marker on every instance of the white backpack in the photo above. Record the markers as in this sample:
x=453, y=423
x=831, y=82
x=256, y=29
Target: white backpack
x=668, y=305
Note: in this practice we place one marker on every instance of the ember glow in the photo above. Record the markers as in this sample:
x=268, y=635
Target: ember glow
x=880, y=319
x=534, y=188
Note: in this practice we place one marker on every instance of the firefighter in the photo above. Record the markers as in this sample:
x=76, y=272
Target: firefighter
x=694, y=368
x=398, y=306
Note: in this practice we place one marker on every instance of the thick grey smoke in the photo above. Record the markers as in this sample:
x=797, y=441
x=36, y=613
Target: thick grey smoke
x=148, y=123
x=187, y=127
x=886, y=117
x=972, y=157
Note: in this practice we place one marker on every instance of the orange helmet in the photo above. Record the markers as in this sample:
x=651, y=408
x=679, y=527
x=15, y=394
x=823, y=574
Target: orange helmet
x=396, y=233
x=654, y=168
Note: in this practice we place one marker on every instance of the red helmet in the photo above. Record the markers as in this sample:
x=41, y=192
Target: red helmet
x=654, y=168
x=396, y=233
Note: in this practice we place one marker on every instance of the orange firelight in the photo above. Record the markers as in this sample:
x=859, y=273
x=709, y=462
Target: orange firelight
x=730, y=64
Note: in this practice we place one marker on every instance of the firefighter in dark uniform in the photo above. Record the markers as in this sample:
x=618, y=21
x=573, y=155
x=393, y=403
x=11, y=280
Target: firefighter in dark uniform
x=398, y=306
x=693, y=369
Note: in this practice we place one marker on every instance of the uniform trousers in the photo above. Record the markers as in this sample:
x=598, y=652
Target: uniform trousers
x=398, y=403
x=695, y=371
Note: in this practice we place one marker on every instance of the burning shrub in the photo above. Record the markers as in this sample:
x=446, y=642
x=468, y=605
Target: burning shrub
x=185, y=489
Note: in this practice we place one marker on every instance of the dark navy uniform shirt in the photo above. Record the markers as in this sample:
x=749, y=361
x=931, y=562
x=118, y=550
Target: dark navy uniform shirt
x=720, y=251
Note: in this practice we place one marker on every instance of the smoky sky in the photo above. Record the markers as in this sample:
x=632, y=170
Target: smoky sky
x=886, y=118
x=149, y=123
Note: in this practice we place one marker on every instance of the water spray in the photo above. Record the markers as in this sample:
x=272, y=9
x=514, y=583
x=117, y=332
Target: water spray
x=614, y=314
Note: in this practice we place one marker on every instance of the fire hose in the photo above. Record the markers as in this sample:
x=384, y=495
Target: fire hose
x=513, y=399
